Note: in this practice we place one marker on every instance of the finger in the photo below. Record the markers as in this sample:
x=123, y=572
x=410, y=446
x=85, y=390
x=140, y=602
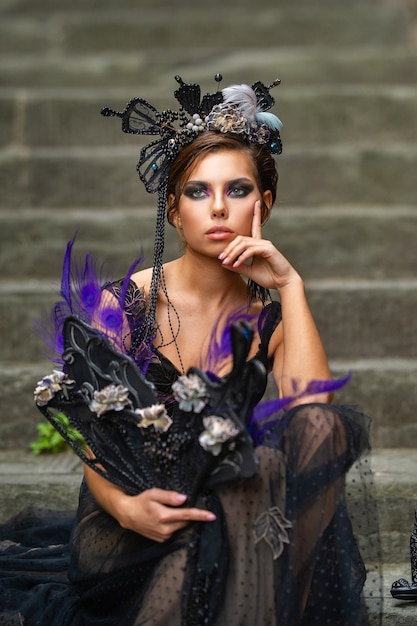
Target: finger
x=257, y=221
x=235, y=249
x=241, y=252
x=195, y=514
x=174, y=499
x=169, y=498
x=181, y=516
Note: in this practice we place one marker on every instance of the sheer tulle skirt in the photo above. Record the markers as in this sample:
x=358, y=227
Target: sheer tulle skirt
x=287, y=555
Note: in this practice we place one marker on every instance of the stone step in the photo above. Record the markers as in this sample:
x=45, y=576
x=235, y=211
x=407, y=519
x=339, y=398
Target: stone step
x=385, y=389
x=134, y=71
x=357, y=319
x=340, y=242
x=45, y=7
x=317, y=115
x=75, y=31
x=28, y=480
x=99, y=177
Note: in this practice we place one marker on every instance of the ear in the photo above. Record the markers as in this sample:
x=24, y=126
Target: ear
x=174, y=217
x=176, y=220
x=267, y=205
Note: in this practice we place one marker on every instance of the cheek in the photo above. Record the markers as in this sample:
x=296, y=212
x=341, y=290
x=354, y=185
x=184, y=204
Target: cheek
x=188, y=222
x=245, y=221
x=184, y=218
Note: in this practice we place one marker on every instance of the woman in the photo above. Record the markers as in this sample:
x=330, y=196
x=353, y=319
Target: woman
x=274, y=546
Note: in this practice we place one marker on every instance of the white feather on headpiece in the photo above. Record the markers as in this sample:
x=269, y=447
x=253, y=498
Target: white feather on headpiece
x=242, y=96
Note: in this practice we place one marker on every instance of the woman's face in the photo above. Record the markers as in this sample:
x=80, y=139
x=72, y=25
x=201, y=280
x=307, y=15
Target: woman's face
x=218, y=200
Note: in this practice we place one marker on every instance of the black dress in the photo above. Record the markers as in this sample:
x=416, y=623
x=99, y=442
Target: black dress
x=282, y=551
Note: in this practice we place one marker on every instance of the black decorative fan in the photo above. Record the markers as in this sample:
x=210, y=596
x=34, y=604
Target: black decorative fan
x=130, y=437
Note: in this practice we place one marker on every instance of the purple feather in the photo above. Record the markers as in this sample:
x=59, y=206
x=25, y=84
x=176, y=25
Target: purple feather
x=220, y=347
x=266, y=415
x=66, y=273
x=81, y=292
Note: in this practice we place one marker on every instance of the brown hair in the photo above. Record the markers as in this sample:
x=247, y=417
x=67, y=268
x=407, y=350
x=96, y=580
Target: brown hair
x=264, y=166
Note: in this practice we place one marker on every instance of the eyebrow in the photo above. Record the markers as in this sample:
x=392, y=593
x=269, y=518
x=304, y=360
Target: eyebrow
x=234, y=181
x=238, y=181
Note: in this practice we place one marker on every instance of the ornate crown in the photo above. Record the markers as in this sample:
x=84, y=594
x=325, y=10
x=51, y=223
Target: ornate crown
x=236, y=109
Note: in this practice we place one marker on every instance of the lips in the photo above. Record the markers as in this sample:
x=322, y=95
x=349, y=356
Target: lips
x=219, y=233
x=218, y=229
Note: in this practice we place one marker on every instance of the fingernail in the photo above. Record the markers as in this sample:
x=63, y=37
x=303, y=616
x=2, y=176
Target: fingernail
x=221, y=255
x=181, y=498
x=211, y=517
x=226, y=260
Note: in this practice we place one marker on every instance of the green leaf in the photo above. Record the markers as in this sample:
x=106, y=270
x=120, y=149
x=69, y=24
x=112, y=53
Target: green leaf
x=51, y=441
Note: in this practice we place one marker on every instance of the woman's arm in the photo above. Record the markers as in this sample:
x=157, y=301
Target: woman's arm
x=296, y=345
x=299, y=353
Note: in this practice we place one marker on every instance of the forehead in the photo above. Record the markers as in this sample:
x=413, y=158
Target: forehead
x=223, y=165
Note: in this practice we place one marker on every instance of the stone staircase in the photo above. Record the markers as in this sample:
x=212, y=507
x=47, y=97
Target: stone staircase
x=347, y=214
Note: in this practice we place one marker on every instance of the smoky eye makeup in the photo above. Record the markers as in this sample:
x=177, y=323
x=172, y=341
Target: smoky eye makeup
x=239, y=188
x=240, y=191
x=196, y=190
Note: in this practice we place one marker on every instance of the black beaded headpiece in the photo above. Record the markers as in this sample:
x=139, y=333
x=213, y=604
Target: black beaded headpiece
x=238, y=109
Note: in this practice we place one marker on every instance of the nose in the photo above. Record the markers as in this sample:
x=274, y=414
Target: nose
x=219, y=208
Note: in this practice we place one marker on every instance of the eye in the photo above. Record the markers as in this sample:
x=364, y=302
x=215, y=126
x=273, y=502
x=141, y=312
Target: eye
x=196, y=192
x=239, y=191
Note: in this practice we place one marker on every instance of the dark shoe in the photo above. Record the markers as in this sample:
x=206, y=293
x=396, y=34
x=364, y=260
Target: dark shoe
x=401, y=589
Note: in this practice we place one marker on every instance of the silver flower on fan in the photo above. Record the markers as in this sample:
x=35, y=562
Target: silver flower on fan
x=154, y=415
x=50, y=385
x=227, y=119
x=110, y=398
x=191, y=393
x=217, y=431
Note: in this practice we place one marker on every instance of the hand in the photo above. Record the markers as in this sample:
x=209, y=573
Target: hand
x=155, y=513
x=269, y=268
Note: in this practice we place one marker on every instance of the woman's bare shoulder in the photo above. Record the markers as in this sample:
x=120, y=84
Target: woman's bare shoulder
x=142, y=279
